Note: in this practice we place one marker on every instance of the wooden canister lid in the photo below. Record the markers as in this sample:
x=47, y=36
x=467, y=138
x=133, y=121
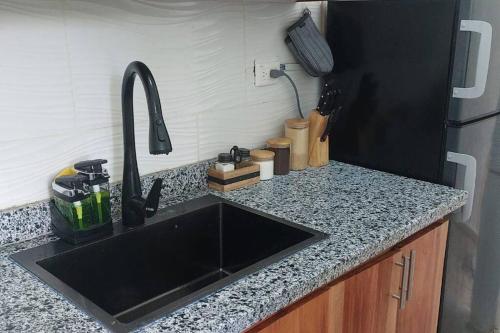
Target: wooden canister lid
x=297, y=123
x=261, y=155
x=279, y=142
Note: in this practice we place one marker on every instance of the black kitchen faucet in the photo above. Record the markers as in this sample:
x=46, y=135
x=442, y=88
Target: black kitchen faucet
x=134, y=207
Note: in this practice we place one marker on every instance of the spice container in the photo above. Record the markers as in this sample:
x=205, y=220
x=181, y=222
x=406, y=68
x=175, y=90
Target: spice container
x=245, y=158
x=265, y=159
x=241, y=157
x=281, y=149
x=224, y=162
x=298, y=131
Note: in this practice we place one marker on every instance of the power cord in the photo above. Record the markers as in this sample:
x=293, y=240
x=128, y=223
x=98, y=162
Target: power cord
x=276, y=73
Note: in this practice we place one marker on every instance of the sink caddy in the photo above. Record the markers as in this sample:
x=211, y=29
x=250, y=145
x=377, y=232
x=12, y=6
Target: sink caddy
x=80, y=209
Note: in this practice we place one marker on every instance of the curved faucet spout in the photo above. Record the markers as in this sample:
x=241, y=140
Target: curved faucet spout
x=134, y=206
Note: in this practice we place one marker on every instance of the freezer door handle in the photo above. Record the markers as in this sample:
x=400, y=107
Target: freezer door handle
x=485, y=31
x=469, y=162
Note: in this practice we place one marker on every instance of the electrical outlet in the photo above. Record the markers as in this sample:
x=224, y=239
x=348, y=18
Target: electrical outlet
x=261, y=73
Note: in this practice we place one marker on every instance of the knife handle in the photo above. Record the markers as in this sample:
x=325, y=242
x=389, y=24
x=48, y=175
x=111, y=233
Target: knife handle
x=332, y=118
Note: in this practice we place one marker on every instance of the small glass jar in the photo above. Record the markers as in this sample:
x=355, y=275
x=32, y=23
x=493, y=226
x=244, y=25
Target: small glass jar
x=246, y=159
x=224, y=162
x=241, y=157
x=265, y=159
x=281, y=149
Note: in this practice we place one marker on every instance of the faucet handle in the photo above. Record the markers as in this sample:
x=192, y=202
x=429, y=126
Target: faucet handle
x=153, y=198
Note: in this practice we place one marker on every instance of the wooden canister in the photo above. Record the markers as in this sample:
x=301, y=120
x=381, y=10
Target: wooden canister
x=281, y=149
x=318, y=151
x=265, y=159
x=298, y=131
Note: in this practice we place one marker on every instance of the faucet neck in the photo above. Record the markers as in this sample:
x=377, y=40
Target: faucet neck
x=159, y=142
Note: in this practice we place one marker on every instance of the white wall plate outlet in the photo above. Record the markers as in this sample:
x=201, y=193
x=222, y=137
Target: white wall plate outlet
x=261, y=72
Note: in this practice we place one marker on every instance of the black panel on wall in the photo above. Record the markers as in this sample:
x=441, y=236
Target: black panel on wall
x=393, y=59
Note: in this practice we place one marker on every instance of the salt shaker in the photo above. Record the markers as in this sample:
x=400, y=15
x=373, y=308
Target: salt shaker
x=224, y=163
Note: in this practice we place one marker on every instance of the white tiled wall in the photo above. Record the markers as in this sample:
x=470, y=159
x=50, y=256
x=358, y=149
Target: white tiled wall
x=61, y=65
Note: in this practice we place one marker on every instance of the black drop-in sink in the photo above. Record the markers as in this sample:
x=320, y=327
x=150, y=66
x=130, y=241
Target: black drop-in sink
x=184, y=253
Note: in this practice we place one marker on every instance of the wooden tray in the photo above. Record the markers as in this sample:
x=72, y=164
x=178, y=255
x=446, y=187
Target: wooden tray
x=232, y=180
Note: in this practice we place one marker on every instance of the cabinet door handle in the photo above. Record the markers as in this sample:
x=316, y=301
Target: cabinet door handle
x=413, y=258
x=404, y=282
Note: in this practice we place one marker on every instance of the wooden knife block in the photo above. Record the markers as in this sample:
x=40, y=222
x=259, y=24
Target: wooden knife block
x=318, y=151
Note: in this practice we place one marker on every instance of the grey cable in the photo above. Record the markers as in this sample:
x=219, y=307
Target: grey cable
x=276, y=73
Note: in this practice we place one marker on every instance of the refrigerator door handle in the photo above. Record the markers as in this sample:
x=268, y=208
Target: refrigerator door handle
x=485, y=30
x=469, y=162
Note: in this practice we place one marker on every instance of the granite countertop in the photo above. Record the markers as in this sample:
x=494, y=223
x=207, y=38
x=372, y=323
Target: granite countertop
x=365, y=212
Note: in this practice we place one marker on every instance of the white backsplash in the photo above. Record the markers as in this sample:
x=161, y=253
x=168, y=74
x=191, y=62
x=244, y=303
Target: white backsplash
x=61, y=69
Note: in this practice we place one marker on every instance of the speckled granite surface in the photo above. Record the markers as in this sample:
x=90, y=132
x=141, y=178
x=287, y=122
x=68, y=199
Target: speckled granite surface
x=365, y=212
x=23, y=223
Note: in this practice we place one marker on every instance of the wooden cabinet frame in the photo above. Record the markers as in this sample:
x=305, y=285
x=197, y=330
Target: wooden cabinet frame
x=372, y=297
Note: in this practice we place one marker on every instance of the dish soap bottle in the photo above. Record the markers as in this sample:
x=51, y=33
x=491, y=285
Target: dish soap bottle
x=72, y=200
x=97, y=179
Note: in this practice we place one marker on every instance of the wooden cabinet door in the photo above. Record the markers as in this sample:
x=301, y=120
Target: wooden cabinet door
x=362, y=302
x=397, y=293
x=367, y=298
x=426, y=253
x=307, y=316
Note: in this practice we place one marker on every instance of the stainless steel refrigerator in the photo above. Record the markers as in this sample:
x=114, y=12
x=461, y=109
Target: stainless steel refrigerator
x=472, y=281
x=422, y=99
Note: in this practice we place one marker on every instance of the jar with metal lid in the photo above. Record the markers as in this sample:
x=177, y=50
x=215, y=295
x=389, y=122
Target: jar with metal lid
x=241, y=157
x=265, y=159
x=224, y=162
x=281, y=149
x=298, y=131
